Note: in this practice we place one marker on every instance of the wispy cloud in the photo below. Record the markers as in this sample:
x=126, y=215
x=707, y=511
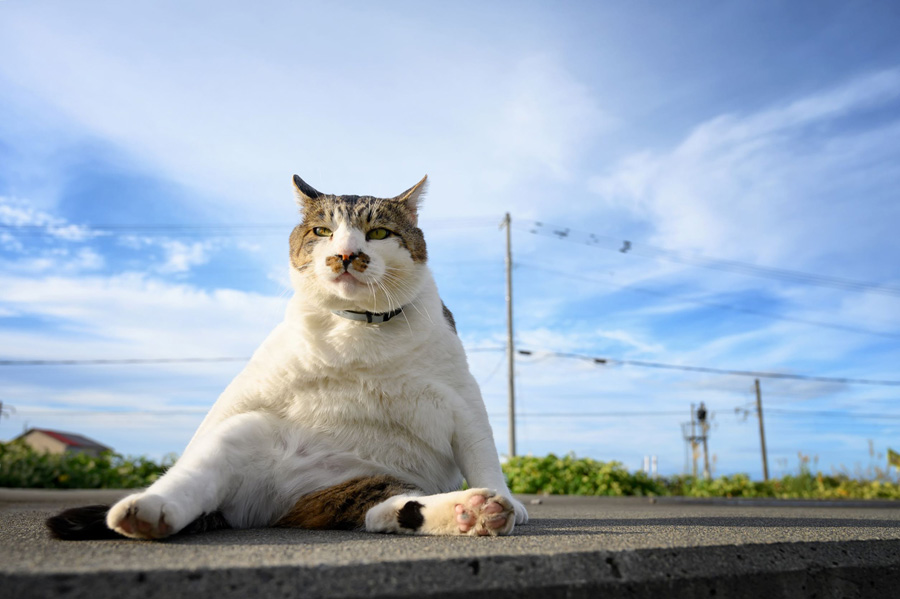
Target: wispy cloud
x=20, y=217
x=546, y=120
x=775, y=186
x=181, y=256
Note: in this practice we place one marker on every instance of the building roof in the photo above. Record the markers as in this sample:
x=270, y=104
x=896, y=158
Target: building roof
x=70, y=439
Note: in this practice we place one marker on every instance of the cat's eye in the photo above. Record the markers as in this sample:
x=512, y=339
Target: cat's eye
x=322, y=231
x=379, y=233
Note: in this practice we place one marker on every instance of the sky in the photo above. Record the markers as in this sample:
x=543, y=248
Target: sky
x=705, y=186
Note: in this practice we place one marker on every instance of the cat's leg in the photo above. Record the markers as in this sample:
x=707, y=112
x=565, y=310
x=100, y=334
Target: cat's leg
x=473, y=512
x=198, y=482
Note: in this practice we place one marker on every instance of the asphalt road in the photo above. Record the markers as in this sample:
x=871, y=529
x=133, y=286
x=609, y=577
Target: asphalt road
x=573, y=547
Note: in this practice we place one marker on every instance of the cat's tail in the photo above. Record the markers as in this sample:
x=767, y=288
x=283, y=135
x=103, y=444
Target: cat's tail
x=88, y=523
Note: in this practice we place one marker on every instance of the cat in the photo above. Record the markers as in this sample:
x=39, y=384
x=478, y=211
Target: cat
x=357, y=412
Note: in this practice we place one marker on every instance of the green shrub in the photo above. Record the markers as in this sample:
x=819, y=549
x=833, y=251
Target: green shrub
x=21, y=466
x=568, y=475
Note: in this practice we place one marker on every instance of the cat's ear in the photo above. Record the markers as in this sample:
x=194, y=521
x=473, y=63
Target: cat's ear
x=305, y=192
x=412, y=197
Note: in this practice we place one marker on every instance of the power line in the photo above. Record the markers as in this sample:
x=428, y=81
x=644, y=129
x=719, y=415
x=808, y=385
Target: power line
x=628, y=247
x=709, y=370
x=832, y=414
x=110, y=412
x=643, y=414
x=812, y=414
x=631, y=288
x=203, y=229
x=127, y=361
x=104, y=362
x=521, y=352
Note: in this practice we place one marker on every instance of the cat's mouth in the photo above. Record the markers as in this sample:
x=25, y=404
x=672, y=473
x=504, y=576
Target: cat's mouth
x=345, y=278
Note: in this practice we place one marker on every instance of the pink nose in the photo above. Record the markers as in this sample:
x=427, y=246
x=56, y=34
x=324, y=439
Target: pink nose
x=346, y=259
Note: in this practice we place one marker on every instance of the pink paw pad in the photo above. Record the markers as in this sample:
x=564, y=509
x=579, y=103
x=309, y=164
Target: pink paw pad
x=481, y=515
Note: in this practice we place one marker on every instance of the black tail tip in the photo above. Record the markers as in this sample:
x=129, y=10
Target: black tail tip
x=82, y=524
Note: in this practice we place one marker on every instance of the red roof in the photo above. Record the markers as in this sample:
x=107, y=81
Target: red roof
x=70, y=439
x=56, y=435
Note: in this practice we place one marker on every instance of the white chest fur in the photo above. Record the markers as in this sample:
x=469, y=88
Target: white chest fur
x=388, y=394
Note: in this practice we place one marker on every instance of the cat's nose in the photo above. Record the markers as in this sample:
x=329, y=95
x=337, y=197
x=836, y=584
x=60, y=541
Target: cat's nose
x=346, y=259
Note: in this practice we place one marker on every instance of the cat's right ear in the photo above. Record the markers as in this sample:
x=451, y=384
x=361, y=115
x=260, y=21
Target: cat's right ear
x=305, y=192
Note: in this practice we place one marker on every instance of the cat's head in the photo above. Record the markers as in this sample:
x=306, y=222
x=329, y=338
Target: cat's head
x=358, y=252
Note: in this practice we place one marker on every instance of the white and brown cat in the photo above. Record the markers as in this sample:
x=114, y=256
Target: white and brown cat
x=357, y=412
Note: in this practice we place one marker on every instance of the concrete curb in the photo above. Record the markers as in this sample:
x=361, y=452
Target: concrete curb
x=574, y=547
x=856, y=569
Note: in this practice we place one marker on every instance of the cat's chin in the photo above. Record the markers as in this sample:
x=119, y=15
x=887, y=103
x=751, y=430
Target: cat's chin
x=348, y=287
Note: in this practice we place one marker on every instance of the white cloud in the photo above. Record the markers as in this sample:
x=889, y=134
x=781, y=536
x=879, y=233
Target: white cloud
x=545, y=122
x=134, y=316
x=780, y=186
x=126, y=316
x=181, y=257
x=16, y=213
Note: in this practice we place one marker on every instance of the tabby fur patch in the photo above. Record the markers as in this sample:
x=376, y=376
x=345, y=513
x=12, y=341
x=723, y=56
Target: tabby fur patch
x=344, y=506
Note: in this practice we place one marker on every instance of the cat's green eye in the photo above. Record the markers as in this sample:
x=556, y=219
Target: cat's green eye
x=322, y=231
x=379, y=233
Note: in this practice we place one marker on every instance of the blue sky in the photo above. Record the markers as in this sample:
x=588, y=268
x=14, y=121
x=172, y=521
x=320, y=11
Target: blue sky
x=146, y=150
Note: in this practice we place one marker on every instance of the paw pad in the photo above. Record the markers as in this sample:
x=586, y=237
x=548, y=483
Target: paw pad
x=483, y=515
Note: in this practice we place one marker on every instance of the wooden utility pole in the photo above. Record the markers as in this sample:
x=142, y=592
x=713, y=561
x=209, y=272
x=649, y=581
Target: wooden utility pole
x=762, y=432
x=510, y=349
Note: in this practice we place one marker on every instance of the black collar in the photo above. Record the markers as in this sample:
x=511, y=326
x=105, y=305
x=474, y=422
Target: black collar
x=368, y=317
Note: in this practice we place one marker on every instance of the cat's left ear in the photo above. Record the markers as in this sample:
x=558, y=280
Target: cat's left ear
x=305, y=192
x=412, y=197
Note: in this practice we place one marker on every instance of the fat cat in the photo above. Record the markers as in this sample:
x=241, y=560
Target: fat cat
x=357, y=412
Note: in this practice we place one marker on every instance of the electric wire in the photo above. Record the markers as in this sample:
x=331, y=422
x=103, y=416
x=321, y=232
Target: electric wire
x=624, y=246
x=80, y=232
x=711, y=370
x=519, y=352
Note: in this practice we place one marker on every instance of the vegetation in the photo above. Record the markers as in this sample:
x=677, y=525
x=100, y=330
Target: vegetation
x=20, y=466
x=567, y=475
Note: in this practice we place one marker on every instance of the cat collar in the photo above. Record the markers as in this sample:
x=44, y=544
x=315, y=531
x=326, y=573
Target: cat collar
x=369, y=317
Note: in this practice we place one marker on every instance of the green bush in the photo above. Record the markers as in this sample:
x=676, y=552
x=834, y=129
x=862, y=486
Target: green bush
x=21, y=466
x=571, y=476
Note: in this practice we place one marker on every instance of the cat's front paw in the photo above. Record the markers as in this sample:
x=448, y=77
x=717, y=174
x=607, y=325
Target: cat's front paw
x=483, y=512
x=145, y=516
x=521, y=512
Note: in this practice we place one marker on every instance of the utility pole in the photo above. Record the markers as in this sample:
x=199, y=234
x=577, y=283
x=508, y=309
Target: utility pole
x=762, y=432
x=510, y=349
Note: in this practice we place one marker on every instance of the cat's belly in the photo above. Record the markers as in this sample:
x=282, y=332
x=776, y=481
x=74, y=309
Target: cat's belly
x=402, y=428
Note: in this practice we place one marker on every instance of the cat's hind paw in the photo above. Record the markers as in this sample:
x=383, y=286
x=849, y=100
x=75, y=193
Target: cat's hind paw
x=145, y=516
